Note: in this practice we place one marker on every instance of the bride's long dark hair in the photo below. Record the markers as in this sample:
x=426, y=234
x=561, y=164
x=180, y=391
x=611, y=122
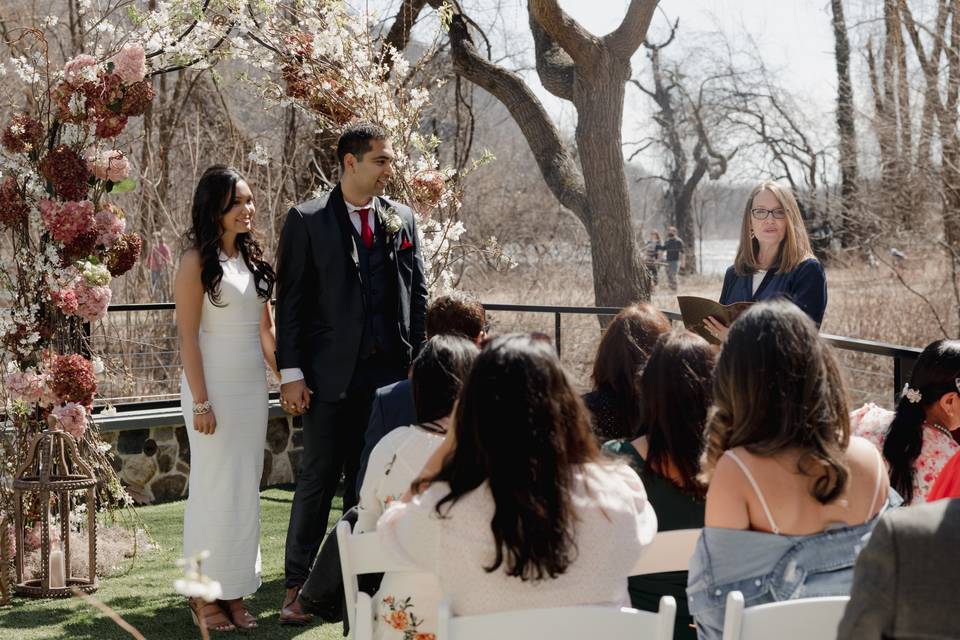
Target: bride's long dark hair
x=212, y=199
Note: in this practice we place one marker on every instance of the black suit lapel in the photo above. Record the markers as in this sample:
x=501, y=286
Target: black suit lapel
x=339, y=207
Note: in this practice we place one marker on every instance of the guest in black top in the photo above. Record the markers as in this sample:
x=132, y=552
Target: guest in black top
x=676, y=387
x=774, y=259
x=613, y=403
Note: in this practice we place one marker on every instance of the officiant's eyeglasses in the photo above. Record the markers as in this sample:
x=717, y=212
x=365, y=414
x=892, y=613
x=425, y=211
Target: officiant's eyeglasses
x=760, y=213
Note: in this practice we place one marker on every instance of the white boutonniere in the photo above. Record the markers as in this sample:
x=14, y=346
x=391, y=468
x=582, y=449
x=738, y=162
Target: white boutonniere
x=391, y=220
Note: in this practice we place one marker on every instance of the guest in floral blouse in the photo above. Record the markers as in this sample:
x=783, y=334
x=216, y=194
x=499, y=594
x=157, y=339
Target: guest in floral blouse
x=407, y=602
x=917, y=440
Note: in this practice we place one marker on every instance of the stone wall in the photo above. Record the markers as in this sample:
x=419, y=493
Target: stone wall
x=154, y=462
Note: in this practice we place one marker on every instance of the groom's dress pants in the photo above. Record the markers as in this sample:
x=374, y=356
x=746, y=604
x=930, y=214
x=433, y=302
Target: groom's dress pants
x=333, y=435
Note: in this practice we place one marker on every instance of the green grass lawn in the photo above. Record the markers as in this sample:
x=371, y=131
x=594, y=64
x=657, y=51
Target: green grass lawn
x=145, y=596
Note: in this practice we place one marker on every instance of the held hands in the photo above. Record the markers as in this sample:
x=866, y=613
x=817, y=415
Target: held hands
x=295, y=397
x=717, y=329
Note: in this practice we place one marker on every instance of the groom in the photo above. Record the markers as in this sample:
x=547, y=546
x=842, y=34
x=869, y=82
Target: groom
x=350, y=316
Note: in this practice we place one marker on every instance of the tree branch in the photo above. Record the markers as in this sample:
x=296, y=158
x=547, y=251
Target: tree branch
x=623, y=41
x=554, y=65
x=579, y=43
x=399, y=34
x=556, y=163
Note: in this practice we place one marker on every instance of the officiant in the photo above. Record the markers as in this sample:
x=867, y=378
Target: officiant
x=774, y=258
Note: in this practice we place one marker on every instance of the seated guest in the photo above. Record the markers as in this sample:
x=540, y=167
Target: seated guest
x=518, y=509
x=453, y=314
x=917, y=440
x=791, y=495
x=901, y=589
x=947, y=484
x=677, y=388
x=774, y=259
x=435, y=377
x=614, y=401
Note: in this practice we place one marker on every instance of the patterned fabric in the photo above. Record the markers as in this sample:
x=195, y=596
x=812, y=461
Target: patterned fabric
x=406, y=604
x=872, y=422
x=608, y=420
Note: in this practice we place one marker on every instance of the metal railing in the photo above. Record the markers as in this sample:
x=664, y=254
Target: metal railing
x=143, y=366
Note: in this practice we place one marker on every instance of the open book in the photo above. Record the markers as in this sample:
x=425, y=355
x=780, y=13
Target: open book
x=694, y=310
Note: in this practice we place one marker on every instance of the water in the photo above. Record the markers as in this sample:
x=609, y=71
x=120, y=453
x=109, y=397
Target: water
x=717, y=255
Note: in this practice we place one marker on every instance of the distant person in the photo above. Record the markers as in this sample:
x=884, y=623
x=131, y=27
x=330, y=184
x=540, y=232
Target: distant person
x=677, y=387
x=905, y=580
x=791, y=494
x=614, y=401
x=159, y=260
x=917, y=439
x=651, y=255
x=673, y=248
x=774, y=259
x=457, y=313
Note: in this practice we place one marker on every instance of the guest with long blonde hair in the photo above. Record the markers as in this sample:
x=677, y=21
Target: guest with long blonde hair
x=774, y=259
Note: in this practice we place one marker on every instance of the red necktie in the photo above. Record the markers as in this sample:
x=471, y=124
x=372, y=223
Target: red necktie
x=366, y=233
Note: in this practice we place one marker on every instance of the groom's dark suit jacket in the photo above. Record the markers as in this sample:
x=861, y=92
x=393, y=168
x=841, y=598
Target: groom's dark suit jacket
x=320, y=312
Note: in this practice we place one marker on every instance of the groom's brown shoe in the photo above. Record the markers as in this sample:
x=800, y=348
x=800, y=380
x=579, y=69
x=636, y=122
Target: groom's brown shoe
x=291, y=613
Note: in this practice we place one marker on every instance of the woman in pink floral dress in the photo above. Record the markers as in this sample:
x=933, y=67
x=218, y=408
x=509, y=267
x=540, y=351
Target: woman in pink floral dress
x=917, y=440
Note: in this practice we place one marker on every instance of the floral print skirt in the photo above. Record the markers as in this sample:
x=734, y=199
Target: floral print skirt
x=405, y=607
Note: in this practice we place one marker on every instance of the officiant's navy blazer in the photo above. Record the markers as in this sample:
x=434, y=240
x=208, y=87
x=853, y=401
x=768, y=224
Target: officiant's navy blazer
x=805, y=286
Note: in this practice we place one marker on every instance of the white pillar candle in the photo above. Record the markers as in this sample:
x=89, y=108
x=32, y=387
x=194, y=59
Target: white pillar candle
x=58, y=571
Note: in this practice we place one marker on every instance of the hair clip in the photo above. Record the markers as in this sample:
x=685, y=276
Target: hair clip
x=913, y=395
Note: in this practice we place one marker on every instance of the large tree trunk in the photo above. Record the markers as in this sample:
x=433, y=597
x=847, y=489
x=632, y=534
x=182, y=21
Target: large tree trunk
x=591, y=72
x=850, y=210
x=618, y=276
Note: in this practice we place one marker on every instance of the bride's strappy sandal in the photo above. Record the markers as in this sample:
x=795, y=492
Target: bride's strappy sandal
x=215, y=619
x=239, y=614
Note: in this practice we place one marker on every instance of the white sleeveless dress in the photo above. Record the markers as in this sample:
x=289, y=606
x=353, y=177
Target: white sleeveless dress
x=223, y=508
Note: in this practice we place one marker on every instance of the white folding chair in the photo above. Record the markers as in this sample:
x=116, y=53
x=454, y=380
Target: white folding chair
x=360, y=554
x=669, y=551
x=799, y=619
x=562, y=623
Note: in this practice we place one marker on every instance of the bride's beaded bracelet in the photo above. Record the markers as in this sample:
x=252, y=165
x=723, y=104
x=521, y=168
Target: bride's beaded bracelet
x=200, y=408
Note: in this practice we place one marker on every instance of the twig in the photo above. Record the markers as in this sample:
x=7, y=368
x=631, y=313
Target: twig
x=113, y=615
x=926, y=301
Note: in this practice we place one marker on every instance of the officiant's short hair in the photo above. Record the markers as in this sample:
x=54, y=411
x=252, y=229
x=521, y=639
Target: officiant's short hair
x=356, y=139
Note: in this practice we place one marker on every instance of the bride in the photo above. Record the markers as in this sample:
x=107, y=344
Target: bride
x=222, y=294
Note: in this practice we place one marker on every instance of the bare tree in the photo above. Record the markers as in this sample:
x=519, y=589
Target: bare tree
x=692, y=113
x=591, y=72
x=846, y=127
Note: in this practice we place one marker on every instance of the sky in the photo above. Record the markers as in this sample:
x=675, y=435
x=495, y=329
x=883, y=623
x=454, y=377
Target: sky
x=793, y=37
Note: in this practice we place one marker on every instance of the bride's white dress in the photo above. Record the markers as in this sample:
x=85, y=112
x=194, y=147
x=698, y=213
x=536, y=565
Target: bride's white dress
x=223, y=508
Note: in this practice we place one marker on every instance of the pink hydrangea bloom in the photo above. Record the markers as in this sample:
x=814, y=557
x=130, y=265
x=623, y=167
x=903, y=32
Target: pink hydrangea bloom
x=92, y=301
x=130, y=63
x=66, y=300
x=110, y=226
x=72, y=418
x=68, y=220
x=108, y=165
x=76, y=70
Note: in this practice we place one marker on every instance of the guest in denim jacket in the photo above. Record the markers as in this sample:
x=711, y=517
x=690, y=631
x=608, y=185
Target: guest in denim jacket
x=792, y=497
